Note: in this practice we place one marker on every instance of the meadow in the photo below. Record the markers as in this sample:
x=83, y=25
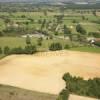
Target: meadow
x=13, y=42
x=87, y=20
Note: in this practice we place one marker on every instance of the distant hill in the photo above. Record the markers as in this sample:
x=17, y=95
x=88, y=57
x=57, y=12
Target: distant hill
x=50, y=1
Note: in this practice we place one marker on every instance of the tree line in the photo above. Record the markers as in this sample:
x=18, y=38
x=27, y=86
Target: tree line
x=18, y=50
x=28, y=49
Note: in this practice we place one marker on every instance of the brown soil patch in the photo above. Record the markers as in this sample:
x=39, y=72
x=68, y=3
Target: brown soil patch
x=43, y=71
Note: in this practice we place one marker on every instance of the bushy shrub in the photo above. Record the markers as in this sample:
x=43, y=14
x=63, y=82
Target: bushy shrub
x=55, y=46
x=1, y=50
x=30, y=49
x=67, y=46
x=28, y=40
x=64, y=94
x=40, y=41
x=18, y=50
x=1, y=33
x=6, y=50
x=80, y=29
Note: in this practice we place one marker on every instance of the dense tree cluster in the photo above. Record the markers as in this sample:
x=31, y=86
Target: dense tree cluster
x=64, y=95
x=79, y=86
x=80, y=29
x=67, y=46
x=67, y=31
x=39, y=41
x=43, y=24
x=6, y=50
x=0, y=50
x=59, y=18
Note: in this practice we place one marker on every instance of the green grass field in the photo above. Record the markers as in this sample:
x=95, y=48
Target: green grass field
x=19, y=41
x=86, y=49
x=23, y=17
x=68, y=19
x=13, y=42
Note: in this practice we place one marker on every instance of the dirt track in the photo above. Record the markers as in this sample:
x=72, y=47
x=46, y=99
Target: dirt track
x=43, y=71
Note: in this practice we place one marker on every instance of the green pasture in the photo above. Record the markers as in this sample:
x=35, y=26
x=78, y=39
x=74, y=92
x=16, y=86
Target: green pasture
x=22, y=17
x=86, y=49
x=13, y=42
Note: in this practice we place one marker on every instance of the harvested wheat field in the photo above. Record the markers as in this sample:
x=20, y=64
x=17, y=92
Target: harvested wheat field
x=43, y=71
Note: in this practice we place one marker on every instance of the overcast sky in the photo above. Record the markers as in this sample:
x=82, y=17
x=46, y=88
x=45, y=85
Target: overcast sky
x=46, y=0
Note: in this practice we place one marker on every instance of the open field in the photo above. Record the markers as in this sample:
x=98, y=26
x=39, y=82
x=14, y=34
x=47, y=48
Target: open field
x=12, y=93
x=30, y=20
x=49, y=51
x=9, y=92
x=43, y=71
x=86, y=49
x=13, y=42
x=20, y=41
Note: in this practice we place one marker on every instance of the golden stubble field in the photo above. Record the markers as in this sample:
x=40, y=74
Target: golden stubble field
x=43, y=71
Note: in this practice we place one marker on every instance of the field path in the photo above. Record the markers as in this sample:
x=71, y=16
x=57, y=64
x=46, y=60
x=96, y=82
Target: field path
x=43, y=71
